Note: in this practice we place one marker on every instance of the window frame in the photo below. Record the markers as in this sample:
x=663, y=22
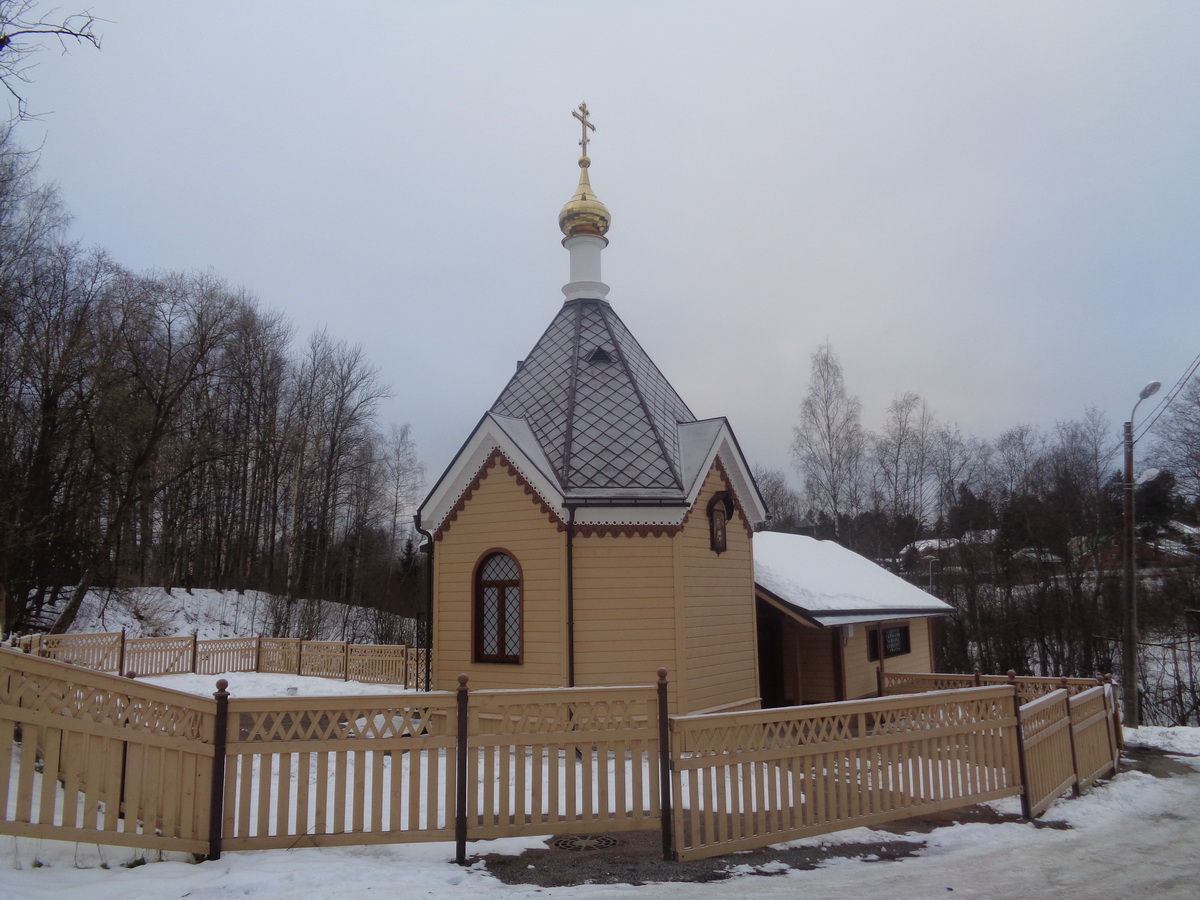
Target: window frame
x=506, y=587
x=877, y=640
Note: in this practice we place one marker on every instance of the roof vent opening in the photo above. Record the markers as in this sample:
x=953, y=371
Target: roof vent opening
x=599, y=355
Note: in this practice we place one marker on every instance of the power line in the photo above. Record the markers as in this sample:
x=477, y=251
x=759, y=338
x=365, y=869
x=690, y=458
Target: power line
x=1161, y=407
x=1171, y=395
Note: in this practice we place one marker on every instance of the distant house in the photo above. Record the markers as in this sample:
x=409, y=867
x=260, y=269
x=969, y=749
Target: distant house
x=1107, y=554
x=591, y=529
x=828, y=617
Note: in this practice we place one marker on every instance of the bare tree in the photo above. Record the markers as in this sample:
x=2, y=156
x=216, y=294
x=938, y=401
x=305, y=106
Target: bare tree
x=1178, y=440
x=828, y=443
x=165, y=336
x=957, y=463
x=903, y=456
x=24, y=31
x=783, y=503
x=404, y=476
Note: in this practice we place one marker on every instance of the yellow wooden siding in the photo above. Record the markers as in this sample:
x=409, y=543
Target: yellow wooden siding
x=818, y=676
x=860, y=671
x=719, y=638
x=920, y=656
x=500, y=515
x=624, y=609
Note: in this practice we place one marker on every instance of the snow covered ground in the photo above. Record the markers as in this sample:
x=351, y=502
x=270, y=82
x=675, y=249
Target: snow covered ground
x=254, y=684
x=1135, y=836
x=208, y=613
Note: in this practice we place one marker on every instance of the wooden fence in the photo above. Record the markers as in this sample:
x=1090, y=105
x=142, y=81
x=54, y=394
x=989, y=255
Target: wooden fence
x=115, y=653
x=580, y=759
x=748, y=779
x=339, y=770
x=1029, y=687
x=94, y=758
x=109, y=760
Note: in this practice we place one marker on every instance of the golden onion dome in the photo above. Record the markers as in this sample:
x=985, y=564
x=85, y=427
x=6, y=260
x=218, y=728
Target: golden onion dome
x=584, y=213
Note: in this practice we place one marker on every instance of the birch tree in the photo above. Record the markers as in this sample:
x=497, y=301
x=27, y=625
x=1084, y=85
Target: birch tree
x=828, y=443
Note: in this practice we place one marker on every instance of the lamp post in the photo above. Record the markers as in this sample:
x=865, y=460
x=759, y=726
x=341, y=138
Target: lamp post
x=1129, y=675
x=931, y=560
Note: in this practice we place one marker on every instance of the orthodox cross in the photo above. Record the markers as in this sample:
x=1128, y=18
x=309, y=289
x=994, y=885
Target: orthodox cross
x=582, y=116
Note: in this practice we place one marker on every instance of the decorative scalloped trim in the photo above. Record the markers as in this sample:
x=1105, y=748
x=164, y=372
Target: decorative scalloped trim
x=595, y=530
x=627, y=530
x=495, y=458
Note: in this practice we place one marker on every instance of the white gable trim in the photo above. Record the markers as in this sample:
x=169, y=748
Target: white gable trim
x=489, y=435
x=725, y=445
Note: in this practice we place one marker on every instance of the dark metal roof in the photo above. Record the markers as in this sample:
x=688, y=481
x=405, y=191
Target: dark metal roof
x=600, y=409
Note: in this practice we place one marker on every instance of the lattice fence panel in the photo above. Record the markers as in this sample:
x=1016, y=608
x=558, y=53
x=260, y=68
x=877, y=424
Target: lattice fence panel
x=917, y=682
x=569, y=759
x=323, y=659
x=159, y=655
x=226, y=655
x=91, y=757
x=101, y=652
x=377, y=663
x=279, y=656
x=339, y=770
x=748, y=779
x=1031, y=687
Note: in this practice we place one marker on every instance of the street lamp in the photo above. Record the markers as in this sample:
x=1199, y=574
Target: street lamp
x=931, y=560
x=1129, y=676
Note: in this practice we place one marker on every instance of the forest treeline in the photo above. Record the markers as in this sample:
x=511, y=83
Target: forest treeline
x=166, y=429
x=1021, y=534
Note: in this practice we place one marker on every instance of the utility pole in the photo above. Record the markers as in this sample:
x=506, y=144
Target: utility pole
x=1129, y=639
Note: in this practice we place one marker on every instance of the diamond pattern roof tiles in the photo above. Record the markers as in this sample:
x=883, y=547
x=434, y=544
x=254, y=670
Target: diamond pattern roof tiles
x=605, y=420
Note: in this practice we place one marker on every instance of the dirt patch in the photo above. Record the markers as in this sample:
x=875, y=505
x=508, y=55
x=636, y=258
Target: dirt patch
x=1154, y=762
x=636, y=857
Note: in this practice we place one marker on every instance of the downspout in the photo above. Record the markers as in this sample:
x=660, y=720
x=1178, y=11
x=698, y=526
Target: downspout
x=571, y=596
x=429, y=543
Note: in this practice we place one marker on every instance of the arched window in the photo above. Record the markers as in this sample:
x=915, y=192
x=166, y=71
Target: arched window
x=498, y=610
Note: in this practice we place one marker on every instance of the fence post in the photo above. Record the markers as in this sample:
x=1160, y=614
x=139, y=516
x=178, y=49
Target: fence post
x=978, y=677
x=1118, y=725
x=299, y=656
x=346, y=662
x=1116, y=739
x=195, y=644
x=879, y=681
x=216, y=804
x=1026, y=802
x=258, y=654
x=121, y=654
x=460, y=780
x=1071, y=734
x=664, y=771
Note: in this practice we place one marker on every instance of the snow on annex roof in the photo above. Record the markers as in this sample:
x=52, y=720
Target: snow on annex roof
x=830, y=585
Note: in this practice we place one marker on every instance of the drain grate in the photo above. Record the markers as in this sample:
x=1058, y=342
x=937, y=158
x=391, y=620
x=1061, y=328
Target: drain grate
x=585, y=842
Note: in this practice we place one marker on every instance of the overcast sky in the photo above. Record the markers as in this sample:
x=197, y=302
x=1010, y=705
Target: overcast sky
x=993, y=204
